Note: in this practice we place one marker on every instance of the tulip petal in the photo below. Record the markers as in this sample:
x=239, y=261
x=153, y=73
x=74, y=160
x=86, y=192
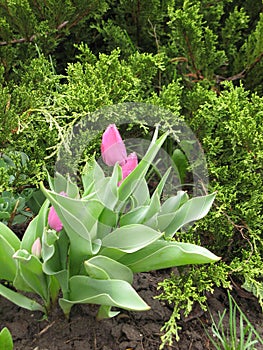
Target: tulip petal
x=113, y=149
x=36, y=248
x=130, y=164
x=53, y=219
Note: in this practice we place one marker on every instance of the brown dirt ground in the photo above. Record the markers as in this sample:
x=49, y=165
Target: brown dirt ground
x=127, y=331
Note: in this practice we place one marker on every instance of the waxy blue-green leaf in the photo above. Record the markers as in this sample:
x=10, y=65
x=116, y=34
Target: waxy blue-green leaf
x=9, y=236
x=135, y=216
x=31, y=271
x=92, y=174
x=131, y=182
x=63, y=184
x=163, y=254
x=36, y=228
x=142, y=214
x=141, y=195
x=194, y=209
x=8, y=265
x=131, y=238
x=20, y=299
x=105, y=312
x=173, y=203
x=180, y=164
x=77, y=216
x=107, y=188
x=55, y=257
x=107, y=221
x=86, y=290
x=111, y=269
x=159, y=189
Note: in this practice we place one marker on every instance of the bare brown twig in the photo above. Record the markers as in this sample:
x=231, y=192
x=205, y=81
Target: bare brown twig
x=32, y=38
x=243, y=73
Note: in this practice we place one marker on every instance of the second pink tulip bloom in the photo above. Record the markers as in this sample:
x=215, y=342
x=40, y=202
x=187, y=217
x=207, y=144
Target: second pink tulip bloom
x=114, y=151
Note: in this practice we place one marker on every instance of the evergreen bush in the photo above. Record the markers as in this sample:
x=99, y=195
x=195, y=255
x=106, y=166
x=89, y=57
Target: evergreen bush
x=61, y=61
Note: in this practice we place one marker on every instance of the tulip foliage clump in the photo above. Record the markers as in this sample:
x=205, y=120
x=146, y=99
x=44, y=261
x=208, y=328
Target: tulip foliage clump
x=87, y=242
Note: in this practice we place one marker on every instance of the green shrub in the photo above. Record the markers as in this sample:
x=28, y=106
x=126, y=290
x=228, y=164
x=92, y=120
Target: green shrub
x=231, y=132
x=175, y=54
x=44, y=105
x=186, y=288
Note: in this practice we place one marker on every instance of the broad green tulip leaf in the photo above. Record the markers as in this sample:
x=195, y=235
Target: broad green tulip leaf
x=6, y=340
x=63, y=184
x=108, y=220
x=141, y=195
x=79, y=250
x=105, y=312
x=159, y=189
x=86, y=290
x=9, y=236
x=106, y=192
x=131, y=182
x=107, y=188
x=155, y=205
x=135, y=216
x=141, y=215
x=30, y=233
x=8, y=265
x=152, y=222
x=111, y=268
x=54, y=288
x=92, y=173
x=55, y=257
x=89, y=191
x=19, y=282
x=173, y=203
x=96, y=272
x=77, y=216
x=163, y=254
x=20, y=299
x=31, y=271
x=180, y=163
x=131, y=238
x=36, y=228
x=194, y=209
x=112, y=253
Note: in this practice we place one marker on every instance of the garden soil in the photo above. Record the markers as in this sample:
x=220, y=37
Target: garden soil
x=128, y=330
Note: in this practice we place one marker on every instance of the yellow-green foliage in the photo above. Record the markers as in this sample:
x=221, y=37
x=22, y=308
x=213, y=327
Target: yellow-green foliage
x=64, y=60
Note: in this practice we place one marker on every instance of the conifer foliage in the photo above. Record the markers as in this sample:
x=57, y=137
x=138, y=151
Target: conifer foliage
x=203, y=60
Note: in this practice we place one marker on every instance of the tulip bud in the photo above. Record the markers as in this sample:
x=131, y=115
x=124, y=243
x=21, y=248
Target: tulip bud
x=113, y=149
x=36, y=248
x=130, y=164
x=53, y=219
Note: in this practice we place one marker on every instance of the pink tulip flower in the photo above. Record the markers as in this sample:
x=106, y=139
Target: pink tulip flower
x=36, y=248
x=130, y=164
x=113, y=149
x=53, y=219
